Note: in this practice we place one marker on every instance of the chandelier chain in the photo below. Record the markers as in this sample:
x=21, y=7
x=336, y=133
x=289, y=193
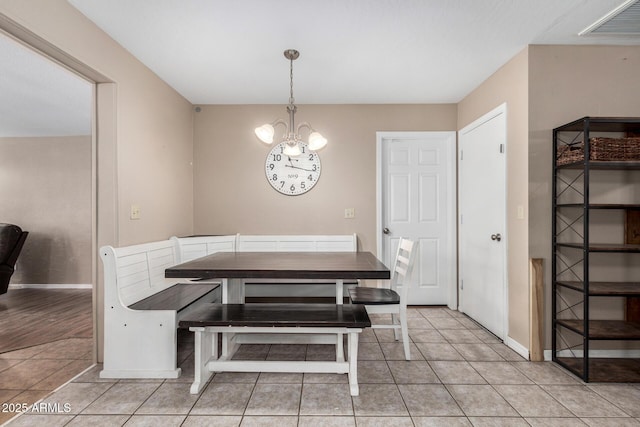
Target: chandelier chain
x=291, y=100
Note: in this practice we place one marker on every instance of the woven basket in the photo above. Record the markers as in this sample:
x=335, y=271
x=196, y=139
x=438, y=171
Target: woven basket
x=602, y=149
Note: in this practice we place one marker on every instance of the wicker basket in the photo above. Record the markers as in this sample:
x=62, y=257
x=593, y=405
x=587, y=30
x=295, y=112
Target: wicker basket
x=602, y=149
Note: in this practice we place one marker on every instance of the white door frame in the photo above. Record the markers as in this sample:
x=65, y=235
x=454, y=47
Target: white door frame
x=500, y=110
x=452, y=200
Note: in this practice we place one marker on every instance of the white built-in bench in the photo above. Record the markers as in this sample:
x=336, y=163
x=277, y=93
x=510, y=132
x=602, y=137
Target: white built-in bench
x=142, y=309
x=240, y=319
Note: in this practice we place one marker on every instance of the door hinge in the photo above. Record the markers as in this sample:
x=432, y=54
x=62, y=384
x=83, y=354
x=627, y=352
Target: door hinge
x=501, y=148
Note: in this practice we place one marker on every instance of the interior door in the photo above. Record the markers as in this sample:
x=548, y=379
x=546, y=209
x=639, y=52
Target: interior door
x=482, y=227
x=417, y=201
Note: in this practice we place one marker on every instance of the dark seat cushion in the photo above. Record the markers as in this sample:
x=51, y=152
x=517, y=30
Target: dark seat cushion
x=9, y=236
x=177, y=297
x=373, y=296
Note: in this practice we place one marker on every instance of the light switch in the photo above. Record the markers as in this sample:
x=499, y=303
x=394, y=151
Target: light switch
x=135, y=212
x=350, y=213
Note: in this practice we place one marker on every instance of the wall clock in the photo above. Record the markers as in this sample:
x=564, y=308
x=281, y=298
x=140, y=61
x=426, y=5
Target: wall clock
x=292, y=175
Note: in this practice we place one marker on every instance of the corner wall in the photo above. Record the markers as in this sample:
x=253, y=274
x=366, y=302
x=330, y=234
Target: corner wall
x=510, y=84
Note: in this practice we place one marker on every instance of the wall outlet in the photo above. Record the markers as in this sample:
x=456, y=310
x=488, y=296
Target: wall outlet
x=135, y=212
x=350, y=213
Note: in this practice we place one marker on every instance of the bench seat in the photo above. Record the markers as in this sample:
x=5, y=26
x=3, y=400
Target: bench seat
x=178, y=297
x=320, y=319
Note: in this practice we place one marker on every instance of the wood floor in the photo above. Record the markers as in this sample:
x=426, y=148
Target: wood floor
x=30, y=317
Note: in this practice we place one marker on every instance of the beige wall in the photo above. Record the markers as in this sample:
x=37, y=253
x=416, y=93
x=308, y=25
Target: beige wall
x=510, y=84
x=567, y=83
x=45, y=188
x=231, y=191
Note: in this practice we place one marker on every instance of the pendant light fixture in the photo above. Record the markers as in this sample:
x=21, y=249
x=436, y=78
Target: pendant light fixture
x=291, y=133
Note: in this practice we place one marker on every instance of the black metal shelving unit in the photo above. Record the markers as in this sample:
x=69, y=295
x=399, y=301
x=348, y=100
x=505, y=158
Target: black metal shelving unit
x=574, y=329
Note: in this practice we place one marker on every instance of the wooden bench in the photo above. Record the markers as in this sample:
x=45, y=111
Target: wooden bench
x=209, y=321
x=142, y=310
x=296, y=243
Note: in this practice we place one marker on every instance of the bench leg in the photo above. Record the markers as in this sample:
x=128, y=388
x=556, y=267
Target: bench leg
x=206, y=348
x=339, y=300
x=352, y=343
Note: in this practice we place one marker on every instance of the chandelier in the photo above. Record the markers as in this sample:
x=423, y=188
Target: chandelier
x=291, y=133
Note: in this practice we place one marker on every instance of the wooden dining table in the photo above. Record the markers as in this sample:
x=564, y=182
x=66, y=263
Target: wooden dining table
x=233, y=268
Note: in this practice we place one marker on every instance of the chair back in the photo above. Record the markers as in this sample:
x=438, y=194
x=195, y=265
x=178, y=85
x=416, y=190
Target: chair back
x=402, y=269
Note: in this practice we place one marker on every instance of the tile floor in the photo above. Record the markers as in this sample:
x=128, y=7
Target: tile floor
x=460, y=376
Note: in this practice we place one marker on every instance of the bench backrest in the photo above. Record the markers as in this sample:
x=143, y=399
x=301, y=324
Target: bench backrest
x=133, y=273
x=297, y=243
x=188, y=248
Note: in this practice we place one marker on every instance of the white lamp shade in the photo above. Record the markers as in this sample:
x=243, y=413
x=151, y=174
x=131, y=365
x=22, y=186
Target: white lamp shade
x=316, y=141
x=292, y=150
x=265, y=133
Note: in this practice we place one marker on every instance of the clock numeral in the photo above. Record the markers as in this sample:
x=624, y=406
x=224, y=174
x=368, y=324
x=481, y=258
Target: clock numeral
x=281, y=184
x=277, y=157
x=311, y=157
x=275, y=177
x=310, y=178
x=292, y=188
x=271, y=166
x=314, y=168
x=302, y=185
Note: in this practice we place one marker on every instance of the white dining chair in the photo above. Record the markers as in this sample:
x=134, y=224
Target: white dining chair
x=391, y=300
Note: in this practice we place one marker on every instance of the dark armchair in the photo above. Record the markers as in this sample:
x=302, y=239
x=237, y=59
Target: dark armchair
x=11, y=240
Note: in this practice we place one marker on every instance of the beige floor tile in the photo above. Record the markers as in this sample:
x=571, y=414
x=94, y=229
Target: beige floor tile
x=459, y=336
x=121, y=398
x=481, y=401
x=583, y=401
x=507, y=353
x=412, y=372
x=477, y=352
x=280, y=378
x=441, y=422
x=498, y=422
x=555, y=422
x=385, y=335
x=93, y=376
x=545, y=373
x=623, y=396
x=326, y=399
x=418, y=323
x=434, y=312
x=384, y=422
x=429, y=400
x=379, y=400
x=370, y=351
x=272, y=421
x=442, y=323
x=169, y=398
x=274, y=399
x=395, y=351
x=68, y=349
x=212, y=421
x=469, y=323
x=29, y=372
x=287, y=352
x=500, y=373
x=98, y=420
x=611, y=422
x=223, y=399
x=367, y=335
x=236, y=377
x=78, y=395
x=319, y=421
x=326, y=378
x=426, y=336
x=155, y=421
x=374, y=371
x=28, y=420
x=438, y=351
x=63, y=375
x=485, y=336
x=454, y=372
x=532, y=401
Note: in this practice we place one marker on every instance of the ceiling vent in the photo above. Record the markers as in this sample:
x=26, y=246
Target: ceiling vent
x=623, y=20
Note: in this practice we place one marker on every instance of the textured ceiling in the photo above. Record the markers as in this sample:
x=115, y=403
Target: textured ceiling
x=352, y=51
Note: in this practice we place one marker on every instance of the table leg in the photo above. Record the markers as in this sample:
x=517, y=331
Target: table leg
x=206, y=349
x=340, y=340
x=352, y=343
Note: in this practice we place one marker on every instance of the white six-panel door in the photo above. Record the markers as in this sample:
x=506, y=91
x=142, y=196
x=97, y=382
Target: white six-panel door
x=416, y=188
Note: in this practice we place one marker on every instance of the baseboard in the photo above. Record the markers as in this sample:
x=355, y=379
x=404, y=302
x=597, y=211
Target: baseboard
x=601, y=354
x=517, y=347
x=52, y=286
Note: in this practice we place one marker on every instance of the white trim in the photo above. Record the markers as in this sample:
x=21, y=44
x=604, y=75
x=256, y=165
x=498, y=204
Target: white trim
x=51, y=286
x=609, y=354
x=517, y=347
x=452, y=200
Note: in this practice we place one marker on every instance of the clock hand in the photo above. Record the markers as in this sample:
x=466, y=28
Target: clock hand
x=297, y=167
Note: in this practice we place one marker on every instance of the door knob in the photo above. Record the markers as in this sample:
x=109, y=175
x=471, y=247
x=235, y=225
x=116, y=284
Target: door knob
x=497, y=237
x=386, y=230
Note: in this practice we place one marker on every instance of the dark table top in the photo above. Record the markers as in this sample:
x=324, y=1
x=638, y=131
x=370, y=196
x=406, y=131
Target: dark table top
x=282, y=265
x=279, y=315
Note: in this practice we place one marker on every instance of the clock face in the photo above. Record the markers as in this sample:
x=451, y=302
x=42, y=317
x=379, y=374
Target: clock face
x=292, y=175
